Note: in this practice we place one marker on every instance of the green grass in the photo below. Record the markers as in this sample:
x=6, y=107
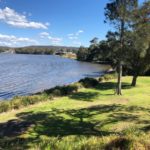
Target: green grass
x=92, y=118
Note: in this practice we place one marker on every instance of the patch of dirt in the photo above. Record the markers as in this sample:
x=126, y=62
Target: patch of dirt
x=121, y=101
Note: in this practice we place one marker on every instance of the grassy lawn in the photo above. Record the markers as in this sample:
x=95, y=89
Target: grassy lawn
x=92, y=118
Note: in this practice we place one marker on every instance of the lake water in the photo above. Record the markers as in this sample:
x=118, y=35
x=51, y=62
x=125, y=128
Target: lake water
x=28, y=74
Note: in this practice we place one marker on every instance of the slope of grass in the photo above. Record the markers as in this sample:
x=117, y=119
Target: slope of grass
x=92, y=118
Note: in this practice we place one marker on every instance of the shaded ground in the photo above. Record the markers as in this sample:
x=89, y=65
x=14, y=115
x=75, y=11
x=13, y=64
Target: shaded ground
x=53, y=124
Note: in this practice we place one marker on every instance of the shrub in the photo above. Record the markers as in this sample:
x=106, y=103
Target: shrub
x=25, y=101
x=16, y=103
x=56, y=92
x=28, y=100
x=4, y=106
x=67, y=90
x=78, y=85
x=53, y=91
x=89, y=82
x=63, y=91
x=101, y=79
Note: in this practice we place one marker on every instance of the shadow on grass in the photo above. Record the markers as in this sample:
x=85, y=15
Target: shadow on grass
x=84, y=96
x=52, y=123
x=60, y=123
x=90, y=96
x=112, y=85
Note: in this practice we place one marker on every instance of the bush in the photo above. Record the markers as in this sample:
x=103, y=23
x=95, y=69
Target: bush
x=63, y=91
x=89, y=82
x=78, y=85
x=19, y=102
x=4, y=106
x=67, y=90
x=16, y=103
x=56, y=92
x=101, y=79
x=29, y=100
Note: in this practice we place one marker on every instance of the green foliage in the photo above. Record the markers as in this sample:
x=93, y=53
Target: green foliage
x=138, y=44
x=34, y=51
x=82, y=54
x=45, y=49
x=4, y=106
x=89, y=82
x=101, y=79
x=63, y=90
x=67, y=90
x=20, y=102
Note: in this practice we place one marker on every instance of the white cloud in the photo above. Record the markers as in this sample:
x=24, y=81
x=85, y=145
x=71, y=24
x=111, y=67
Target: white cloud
x=79, y=32
x=15, y=19
x=75, y=36
x=44, y=35
x=53, y=40
x=11, y=40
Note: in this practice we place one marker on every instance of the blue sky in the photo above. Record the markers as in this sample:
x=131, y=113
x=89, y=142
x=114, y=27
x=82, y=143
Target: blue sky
x=51, y=22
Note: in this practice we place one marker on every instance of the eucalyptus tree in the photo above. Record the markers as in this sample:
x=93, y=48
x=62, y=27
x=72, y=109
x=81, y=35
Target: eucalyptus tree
x=93, y=49
x=138, y=41
x=82, y=54
x=118, y=13
x=94, y=41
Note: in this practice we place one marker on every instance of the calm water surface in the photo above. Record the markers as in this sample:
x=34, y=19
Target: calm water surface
x=28, y=74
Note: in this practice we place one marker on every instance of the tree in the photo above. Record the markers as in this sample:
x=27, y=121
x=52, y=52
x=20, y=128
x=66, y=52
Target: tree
x=94, y=41
x=139, y=42
x=82, y=54
x=93, y=50
x=118, y=12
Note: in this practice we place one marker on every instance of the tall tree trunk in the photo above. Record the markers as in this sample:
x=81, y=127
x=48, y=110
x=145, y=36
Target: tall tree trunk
x=134, y=79
x=119, y=84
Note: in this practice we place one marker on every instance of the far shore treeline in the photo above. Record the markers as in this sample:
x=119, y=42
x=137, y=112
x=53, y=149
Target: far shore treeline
x=39, y=50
